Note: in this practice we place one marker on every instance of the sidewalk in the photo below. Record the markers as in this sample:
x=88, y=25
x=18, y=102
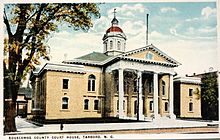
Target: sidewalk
x=24, y=127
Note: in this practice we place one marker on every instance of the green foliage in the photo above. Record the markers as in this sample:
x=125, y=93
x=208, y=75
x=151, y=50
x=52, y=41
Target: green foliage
x=29, y=26
x=197, y=93
x=210, y=96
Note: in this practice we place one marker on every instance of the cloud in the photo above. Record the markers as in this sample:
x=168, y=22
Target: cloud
x=133, y=28
x=127, y=10
x=75, y=45
x=168, y=9
x=207, y=29
x=208, y=11
x=193, y=55
x=101, y=24
x=193, y=19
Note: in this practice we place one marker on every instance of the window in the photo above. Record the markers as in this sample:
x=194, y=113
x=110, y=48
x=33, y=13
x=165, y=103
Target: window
x=65, y=103
x=190, y=92
x=86, y=104
x=91, y=83
x=117, y=86
x=166, y=106
x=119, y=45
x=117, y=104
x=163, y=88
x=190, y=106
x=96, y=104
x=65, y=83
x=111, y=44
x=149, y=56
x=135, y=107
x=151, y=105
x=105, y=46
x=150, y=84
x=135, y=86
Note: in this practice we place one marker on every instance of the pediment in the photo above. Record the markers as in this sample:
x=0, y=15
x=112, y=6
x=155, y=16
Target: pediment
x=150, y=53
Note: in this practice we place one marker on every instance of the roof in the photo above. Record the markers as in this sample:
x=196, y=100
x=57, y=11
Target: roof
x=27, y=91
x=60, y=67
x=114, y=29
x=190, y=80
x=94, y=56
x=100, y=59
x=156, y=50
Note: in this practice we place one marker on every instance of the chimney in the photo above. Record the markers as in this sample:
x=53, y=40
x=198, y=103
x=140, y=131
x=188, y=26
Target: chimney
x=147, y=29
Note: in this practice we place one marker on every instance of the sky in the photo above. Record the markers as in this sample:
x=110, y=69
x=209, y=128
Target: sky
x=186, y=31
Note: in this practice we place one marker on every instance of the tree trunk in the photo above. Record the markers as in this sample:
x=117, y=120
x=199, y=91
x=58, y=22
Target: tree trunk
x=10, y=114
x=10, y=97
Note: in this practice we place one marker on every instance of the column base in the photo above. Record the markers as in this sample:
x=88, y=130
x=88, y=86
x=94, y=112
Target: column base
x=141, y=117
x=156, y=117
x=121, y=117
x=172, y=116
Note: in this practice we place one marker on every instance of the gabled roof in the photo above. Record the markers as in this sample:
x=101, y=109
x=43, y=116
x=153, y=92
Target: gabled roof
x=100, y=59
x=156, y=50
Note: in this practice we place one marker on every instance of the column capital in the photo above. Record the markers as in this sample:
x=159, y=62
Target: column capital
x=120, y=68
x=156, y=72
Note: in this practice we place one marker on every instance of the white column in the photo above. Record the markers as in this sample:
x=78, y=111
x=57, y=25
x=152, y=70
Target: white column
x=121, y=92
x=141, y=116
x=171, y=103
x=156, y=115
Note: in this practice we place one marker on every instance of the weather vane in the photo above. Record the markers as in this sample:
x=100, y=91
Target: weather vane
x=114, y=12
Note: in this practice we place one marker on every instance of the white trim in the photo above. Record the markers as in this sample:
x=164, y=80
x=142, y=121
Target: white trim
x=68, y=103
x=192, y=80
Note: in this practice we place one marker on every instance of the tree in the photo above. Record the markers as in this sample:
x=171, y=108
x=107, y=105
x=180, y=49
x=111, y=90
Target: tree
x=27, y=27
x=209, y=92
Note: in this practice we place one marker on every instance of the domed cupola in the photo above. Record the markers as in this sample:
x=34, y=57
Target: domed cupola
x=114, y=40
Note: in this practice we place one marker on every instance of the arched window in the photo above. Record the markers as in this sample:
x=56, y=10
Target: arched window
x=149, y=56
x=91, y=83
x=96, y=104
x=65, y=103
x=163, y=88
x=86, y=104
x=190, y=106
x=111, y=44
x=119, y=45
x=166, y=106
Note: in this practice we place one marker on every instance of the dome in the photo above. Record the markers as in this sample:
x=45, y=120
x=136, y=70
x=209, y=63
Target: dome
x=114, y=29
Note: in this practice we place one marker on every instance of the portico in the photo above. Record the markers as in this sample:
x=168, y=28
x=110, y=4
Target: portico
x=142, y=69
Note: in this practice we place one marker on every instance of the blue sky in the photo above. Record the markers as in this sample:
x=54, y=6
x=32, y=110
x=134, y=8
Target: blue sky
x=186, y=31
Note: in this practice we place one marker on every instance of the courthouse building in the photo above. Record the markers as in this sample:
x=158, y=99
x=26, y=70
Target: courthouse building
x=136, y=84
